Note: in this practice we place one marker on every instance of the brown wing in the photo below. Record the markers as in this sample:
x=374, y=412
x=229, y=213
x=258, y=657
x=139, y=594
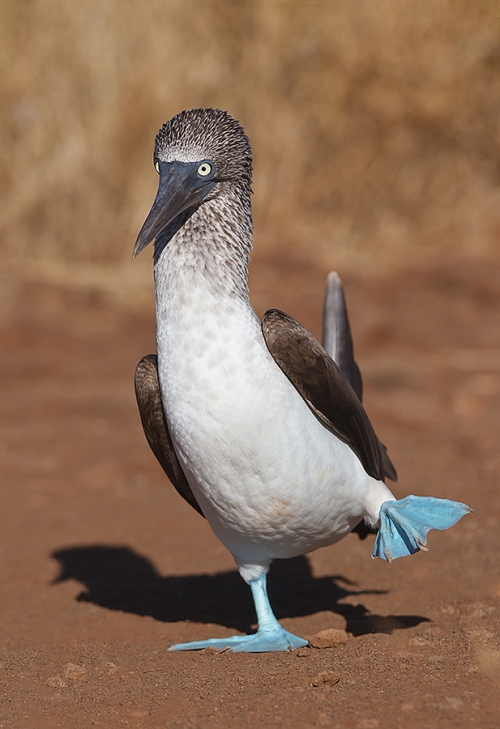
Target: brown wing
x=147, y=391
x=337, y=340
x=389, y=467
x=323, y=386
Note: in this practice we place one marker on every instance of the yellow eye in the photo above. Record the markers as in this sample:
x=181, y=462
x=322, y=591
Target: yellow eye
x=157, y=166
x=204, y=169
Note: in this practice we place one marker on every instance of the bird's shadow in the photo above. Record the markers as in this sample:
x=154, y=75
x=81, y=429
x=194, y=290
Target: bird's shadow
x=118, y=578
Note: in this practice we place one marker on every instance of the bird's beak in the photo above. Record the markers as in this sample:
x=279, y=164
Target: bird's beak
x=178, y=190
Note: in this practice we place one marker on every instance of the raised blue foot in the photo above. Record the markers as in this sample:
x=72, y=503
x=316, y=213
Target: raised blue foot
x=404, y=524
x=269, y=637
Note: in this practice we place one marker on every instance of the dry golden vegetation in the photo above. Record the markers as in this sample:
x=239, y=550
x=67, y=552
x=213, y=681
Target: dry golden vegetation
x=375, y=125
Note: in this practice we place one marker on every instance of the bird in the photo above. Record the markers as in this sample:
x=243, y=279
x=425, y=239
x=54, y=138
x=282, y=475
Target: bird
x=259, y=427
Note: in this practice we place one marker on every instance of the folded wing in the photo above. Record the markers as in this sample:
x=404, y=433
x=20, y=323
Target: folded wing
x=323, y=386
x=337, y=341
x=147, y=391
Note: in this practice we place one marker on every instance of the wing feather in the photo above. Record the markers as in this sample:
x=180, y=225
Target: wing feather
x=337, y=340
x=323, y=386
x=154, y=423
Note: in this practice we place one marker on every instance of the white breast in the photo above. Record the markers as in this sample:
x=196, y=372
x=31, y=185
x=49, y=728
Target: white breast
x=271, y=480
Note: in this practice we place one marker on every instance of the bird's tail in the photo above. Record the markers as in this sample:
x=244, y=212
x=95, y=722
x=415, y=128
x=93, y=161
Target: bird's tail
x=404, y=524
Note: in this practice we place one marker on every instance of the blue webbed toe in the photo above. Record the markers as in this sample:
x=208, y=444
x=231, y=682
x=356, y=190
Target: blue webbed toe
x=404, y=524
x=260, y=642
x=270, y=636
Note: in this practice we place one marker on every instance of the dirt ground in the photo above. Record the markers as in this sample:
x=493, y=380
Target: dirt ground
x=103, y=565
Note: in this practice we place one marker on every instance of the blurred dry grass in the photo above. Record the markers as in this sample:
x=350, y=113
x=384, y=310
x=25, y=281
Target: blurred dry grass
x=375, y=125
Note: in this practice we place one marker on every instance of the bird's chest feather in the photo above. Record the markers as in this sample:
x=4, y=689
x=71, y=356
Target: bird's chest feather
x=221, y=388
x=255, y=455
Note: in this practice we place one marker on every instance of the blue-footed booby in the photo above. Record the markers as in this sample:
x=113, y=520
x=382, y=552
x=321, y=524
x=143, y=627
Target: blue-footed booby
x=259, y=427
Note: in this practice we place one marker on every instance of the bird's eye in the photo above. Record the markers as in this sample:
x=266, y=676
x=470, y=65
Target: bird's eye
x=204, y=169
x=157, y=166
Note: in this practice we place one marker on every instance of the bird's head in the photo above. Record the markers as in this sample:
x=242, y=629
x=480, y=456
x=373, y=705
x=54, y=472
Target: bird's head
x=198, y=154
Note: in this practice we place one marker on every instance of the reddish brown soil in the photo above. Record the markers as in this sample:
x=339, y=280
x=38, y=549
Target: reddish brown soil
x=103, y=565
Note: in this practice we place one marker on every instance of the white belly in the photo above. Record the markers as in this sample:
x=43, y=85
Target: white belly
x=271, y=480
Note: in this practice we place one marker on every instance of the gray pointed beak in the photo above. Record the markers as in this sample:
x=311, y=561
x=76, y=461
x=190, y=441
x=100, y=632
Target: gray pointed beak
x=178, y=190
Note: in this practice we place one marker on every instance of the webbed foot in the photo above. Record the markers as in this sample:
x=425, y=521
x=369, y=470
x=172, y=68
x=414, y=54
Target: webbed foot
x=260, y=642
x=404, y=524
x=270, y=636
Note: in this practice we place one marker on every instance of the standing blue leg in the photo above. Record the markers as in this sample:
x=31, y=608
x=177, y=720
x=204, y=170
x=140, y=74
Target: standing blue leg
x=270, y=636
x=404, y=524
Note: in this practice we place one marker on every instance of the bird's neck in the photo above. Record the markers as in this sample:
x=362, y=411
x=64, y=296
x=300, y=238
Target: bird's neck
x=210, y=249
